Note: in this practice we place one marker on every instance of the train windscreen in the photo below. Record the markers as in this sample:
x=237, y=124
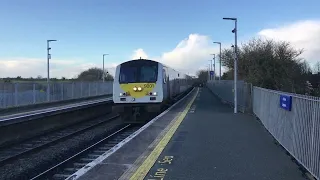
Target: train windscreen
x=138, y=71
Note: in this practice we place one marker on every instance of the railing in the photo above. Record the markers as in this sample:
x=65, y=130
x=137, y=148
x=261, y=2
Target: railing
x=298, y=130
x=19, y=94
x=225, y=91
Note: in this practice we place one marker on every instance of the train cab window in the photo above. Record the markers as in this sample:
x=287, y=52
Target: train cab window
x=148, y=74
x=128, y=74
x=138, y=71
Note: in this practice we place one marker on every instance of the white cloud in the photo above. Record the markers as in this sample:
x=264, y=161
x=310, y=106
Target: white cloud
x=302, y=34
x=28, y=67
x=139, y=53
x=190, y=55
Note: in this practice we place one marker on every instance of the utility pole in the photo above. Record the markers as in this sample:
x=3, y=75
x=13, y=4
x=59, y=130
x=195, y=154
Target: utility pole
x=219, y=59
x=214, y=66
x=235, y=30
x=48, y=70
x=210, y=69
x=209, y=72
x=103, y=66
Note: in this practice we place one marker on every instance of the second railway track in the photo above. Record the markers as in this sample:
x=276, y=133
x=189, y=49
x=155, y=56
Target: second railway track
x=66, y=168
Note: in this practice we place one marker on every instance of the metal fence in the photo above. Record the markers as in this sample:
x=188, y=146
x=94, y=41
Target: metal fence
x=225, y=91
x=19, y=94
x=298, y=130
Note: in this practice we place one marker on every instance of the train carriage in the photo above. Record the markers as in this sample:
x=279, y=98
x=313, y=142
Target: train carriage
x=144, y=86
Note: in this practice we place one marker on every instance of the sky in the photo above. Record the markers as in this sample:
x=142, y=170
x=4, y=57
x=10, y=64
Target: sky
x=177, y=33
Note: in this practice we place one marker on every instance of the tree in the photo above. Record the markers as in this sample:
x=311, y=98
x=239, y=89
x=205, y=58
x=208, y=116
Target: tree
x=316, y=68
x=309, y=88
x=202, y=75
x=268, y=64
x=94, y=74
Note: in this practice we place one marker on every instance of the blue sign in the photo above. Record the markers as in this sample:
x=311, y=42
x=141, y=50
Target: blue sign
x=285, y=102
x=211, y=72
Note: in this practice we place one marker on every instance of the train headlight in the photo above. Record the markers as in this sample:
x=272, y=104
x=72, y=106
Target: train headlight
x=125, y=94
x=152, y=93
x=139, y=88
x=135, y=88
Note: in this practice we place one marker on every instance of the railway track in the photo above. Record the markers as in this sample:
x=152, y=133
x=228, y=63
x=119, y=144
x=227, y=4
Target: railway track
x=42, y=141
x=66, y=168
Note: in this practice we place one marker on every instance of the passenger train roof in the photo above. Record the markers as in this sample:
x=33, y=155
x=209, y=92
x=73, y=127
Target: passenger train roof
x=155, y=62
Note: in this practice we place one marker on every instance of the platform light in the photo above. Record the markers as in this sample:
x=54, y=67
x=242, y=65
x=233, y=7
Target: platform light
x=48, y=75
x=235, y=30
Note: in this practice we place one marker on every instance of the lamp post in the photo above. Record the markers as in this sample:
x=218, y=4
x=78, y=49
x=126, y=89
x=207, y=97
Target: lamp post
x=103, y=66
x=210, y=68
x=235, y=62
x=214, y=66
x=219, y=59
x=48, y=74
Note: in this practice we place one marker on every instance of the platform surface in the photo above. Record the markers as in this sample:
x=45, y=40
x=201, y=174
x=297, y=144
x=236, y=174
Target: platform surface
x=127, y=157
x=14, y=116
x=213, y=143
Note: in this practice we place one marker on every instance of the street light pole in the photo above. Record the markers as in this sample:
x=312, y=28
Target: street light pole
x=48, y=74
x=219, y=60
x=103, y=66
x=210, y=68
x=235, y=30
x=214, y=66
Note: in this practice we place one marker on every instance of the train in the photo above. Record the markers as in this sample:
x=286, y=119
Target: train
x=144, y=86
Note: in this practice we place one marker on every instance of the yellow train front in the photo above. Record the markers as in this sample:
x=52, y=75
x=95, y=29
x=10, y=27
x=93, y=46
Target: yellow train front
x=143, y=87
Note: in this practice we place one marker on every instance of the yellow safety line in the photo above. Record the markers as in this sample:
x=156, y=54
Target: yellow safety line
x=151, y=159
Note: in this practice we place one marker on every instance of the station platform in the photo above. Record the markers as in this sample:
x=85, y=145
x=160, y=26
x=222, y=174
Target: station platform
x=10, y=117
x=198, y=139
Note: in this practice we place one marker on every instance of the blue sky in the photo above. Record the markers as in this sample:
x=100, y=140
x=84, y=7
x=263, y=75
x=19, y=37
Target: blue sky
x=87, y=29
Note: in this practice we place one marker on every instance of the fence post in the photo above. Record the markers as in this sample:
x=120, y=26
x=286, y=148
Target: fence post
x=97, y=87
x=103, y=87
x=81, y=89
x=89, y=88
x=5, y=98
x=62, y=89
x=251, y=98
x=48, y=92
x=72, y=89
x=16, y=94
x=34, y=92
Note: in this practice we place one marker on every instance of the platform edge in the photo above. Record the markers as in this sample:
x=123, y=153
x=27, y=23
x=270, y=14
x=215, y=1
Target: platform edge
x=108, y=153
x=145, y=167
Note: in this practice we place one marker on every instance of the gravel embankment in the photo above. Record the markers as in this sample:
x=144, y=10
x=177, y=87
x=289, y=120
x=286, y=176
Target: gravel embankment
x=29, y=166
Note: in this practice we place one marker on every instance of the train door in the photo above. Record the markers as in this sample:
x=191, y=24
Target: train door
x=164, y=84
x=166, y=79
